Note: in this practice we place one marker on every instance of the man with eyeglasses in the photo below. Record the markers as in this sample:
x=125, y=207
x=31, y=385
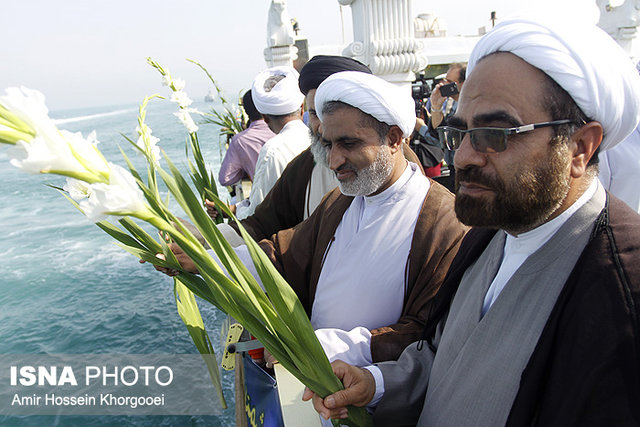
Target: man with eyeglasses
x=538, y=320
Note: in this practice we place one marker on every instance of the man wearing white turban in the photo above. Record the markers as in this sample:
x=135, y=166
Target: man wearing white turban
x=369, y=260
x=276, y=96
x=538, y=320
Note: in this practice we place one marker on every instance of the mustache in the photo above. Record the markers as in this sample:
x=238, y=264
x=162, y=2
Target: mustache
x=346, y=166
x=473, y=175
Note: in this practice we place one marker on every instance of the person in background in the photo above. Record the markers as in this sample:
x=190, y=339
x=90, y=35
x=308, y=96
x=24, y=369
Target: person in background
x=441, y=106
x=369, y=260
x=307, y=178
x=620, y=168
x=276, y=96
x=355, y=261
x=537, y=322
x=240, y=160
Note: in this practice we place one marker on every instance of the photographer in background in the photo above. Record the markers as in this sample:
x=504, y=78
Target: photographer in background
x=429, y=151
x=442, y=104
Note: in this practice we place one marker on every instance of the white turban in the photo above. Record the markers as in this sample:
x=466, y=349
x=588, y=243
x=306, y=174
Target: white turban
x=584, y=60
x=275, y=91
x=384, y=101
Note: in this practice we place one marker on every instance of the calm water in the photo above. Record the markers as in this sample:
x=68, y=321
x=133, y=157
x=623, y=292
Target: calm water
x=66, y=288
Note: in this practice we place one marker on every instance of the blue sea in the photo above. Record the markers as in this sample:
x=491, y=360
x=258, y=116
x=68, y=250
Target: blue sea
x=66, y=288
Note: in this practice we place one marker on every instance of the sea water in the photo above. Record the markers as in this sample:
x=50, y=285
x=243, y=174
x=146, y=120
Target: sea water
x=66, y=288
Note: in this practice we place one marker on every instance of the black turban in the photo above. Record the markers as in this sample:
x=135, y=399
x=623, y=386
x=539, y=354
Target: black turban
x=320, y=67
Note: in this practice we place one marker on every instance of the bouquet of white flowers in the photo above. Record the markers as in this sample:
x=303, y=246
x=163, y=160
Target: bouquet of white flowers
x=102, y=189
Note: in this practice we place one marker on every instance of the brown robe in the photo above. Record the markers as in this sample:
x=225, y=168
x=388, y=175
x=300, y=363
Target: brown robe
x=299, y=254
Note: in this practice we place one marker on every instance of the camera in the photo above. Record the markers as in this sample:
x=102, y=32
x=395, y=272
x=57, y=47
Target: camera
x=420, y=92
x=449, y=89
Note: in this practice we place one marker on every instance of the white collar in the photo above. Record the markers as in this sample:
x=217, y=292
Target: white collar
x=292, y=124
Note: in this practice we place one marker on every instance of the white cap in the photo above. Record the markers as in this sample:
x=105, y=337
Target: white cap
x=275, y=91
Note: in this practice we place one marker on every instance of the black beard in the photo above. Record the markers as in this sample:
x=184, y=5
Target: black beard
x=520, y=205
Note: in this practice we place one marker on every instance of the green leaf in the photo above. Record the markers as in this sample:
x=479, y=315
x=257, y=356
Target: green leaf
x=190, y=315
x=140, y=234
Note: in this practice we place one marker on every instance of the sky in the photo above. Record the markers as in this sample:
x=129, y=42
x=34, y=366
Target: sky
x=85, y=53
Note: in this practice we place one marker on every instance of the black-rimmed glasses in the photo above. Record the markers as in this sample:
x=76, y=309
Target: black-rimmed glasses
x=488, y=139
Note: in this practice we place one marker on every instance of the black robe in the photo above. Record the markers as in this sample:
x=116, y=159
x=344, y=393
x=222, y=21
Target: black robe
x=585, y=370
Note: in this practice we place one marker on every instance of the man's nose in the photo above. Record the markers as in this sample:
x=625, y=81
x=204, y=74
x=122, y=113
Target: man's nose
x=466, y=155
x=336, y=158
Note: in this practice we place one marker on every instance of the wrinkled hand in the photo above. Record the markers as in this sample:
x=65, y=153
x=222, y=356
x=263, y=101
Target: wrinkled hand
x=185, y=262
x=213, y=212
x=359, y=389
x=211, y=209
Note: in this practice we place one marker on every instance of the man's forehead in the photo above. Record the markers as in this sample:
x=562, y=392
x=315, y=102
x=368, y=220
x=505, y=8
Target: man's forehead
x=503, y=82
x=453, y=75
x=344, y=122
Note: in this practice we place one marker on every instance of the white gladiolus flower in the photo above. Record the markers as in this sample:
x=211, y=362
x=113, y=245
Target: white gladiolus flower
x=181, y=99
x=149, y=144
x=178, y=84
x=174, y=84
x=41, y=156
x=78, y=190
x=121, y=196
x=28, y=105
x=87, y=151
x=50, y=149
x=186, y=120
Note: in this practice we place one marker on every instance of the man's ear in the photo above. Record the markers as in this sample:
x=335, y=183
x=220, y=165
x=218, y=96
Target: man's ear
x=584, y=143
x=395, y=137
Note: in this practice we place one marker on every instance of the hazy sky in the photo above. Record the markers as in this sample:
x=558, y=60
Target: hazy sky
x=91, y=53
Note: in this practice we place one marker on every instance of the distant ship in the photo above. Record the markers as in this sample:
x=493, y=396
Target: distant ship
x=210, y=96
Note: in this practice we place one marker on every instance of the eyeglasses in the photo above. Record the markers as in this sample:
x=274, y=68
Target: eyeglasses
x=488, y=139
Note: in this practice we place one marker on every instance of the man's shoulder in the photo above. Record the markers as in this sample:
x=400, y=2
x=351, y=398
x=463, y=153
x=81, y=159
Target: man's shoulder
x=257, y=133
x=303, y=161
x=286, y=143
x=618, y=226
x=439, y=205
x=608, y=272
x=439, y=191
x=271, y=146
x=614, y=242
x=333, y=203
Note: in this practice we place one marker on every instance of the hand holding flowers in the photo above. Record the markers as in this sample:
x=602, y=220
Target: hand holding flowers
x=100, y=189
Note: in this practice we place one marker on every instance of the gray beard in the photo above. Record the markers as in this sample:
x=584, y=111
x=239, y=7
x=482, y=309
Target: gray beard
x=319, y=151
x=369, y=179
